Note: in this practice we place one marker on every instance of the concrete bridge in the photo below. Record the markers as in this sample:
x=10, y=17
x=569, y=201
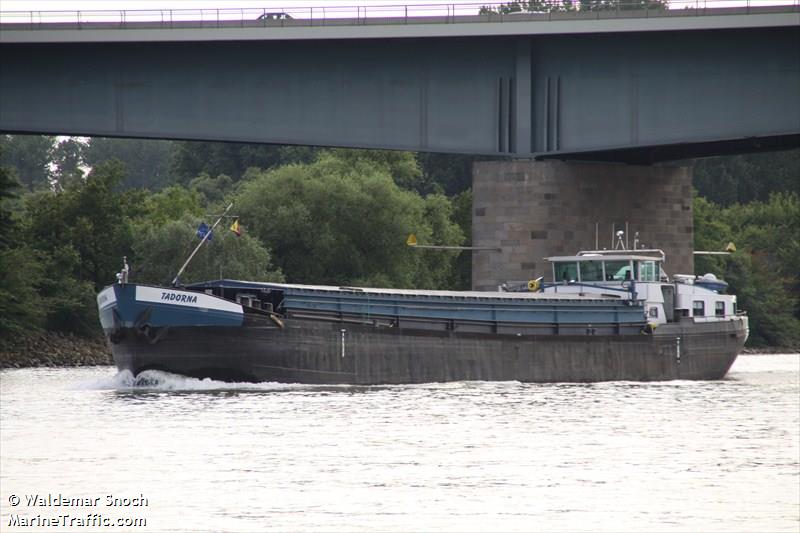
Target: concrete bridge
x=633, y=87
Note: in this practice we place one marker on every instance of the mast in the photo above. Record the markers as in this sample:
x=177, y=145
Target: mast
x=205, y=238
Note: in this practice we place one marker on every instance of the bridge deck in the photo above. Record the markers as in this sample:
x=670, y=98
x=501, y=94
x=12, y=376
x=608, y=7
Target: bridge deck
x=372, y=22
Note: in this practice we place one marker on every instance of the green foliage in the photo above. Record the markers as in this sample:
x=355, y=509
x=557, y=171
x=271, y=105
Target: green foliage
x=67, y=157
x=161, y=249
x=191, y=159
x=90, y=217
x=75, y=240
x=69, y=300
x=450, y=173
x=146, y=162
x=30, y=156
x=565, y=6
x=344, y=220
x=401, y=166
x=212, y=189
x=169, y=204
x=21, y=307
x=744, y=178
x=763, y=272
x=8, y=194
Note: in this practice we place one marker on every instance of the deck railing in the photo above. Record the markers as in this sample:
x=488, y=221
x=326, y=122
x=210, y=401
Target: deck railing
x=320, y=13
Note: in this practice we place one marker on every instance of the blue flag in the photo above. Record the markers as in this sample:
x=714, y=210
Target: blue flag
x=203, y=230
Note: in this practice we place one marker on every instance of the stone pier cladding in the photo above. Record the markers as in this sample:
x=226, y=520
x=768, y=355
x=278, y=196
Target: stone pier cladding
x=536, y=209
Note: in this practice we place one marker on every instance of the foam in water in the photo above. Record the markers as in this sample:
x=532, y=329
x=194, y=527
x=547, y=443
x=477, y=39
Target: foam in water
x=155, y=380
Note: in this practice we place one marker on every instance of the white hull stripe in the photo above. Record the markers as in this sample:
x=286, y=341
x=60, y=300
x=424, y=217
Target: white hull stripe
x=197, y=300
x=106, y=298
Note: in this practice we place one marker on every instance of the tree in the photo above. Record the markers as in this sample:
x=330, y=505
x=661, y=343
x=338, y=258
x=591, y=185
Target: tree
x=161, y=249
x=169, y=204
x=20, y=307
x=89, y=216
x=146, y=161
x=192, y=158
x=748, y=177
x=8, y=194
x=341, y=220
x=30, y=156
x=212, y=189
x=67, y=159
x=762, y=272
x=78, y=236
x=401, y=166
x=451, y=173
x=555, y=6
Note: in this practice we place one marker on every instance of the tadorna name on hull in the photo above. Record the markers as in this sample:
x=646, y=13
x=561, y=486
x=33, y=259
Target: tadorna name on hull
x=182, y=298
x=198, y=300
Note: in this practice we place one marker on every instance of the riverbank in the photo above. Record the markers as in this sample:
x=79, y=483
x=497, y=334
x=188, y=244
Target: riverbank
x=53, y=349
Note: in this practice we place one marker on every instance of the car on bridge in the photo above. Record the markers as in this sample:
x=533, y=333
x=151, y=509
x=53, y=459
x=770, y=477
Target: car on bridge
x=275, y=15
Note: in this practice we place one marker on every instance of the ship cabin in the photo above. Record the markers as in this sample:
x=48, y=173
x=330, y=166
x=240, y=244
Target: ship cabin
x=603, y=266
x=638, y=275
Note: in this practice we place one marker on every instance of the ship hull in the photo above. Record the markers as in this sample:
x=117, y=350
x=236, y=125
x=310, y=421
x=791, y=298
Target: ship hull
x=330, y=352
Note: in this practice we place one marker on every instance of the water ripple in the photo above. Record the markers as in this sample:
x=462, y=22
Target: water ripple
x=213, y=456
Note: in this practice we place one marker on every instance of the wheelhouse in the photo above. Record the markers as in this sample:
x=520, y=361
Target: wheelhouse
x=638, y=275
x=605, y=267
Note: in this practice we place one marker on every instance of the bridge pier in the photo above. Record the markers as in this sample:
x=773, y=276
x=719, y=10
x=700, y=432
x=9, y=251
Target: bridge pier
x=534, y=209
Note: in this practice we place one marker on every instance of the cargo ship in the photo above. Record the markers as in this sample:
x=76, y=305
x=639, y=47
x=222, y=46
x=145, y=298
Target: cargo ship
x=602, y=316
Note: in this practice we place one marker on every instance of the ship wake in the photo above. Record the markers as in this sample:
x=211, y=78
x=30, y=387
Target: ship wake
x=156, y=380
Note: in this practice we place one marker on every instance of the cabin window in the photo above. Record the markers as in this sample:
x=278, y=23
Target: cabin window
x=618, y=270
x=654, y=312
x=566, y=271
x=719, y=308
x=591, y=271
x=648, y=271
x=699, y=308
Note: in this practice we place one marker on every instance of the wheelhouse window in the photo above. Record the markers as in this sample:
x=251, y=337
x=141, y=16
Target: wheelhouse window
x=566, y=271
x=699, y=308
x=719, y=308
x=648, y=271
x=591, y=270
x=618, y=270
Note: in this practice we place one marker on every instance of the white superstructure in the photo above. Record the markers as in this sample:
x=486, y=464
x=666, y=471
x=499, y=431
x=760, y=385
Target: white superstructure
x=638, y=275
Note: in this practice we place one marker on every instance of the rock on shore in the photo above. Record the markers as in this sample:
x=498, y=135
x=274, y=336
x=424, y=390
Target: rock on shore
x=53, y=349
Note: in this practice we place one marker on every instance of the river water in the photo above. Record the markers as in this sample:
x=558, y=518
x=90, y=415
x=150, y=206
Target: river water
x=190, y=455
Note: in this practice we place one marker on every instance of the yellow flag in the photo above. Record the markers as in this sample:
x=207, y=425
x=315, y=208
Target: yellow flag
x=412, y=240
x=731, y=247
x=236, y=228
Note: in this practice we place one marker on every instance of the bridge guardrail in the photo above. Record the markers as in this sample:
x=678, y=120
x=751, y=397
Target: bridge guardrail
x=323, y=14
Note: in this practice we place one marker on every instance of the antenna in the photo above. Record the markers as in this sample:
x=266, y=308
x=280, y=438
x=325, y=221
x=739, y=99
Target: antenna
x=619, y=244
x=613, y=232
x=626, y=235
x=412, y=242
